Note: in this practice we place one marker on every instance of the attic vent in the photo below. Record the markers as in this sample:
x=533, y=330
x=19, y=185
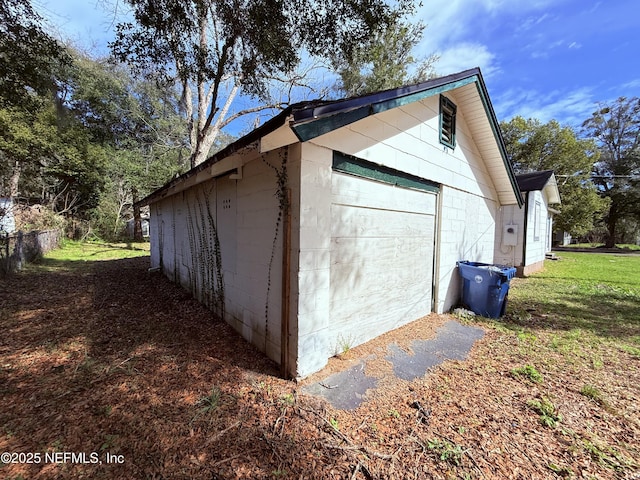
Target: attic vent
x=447, y=122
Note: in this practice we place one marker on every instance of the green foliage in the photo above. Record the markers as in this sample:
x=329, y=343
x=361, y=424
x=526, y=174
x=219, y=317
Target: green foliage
x=334, y=423
x=549, y=416
x=217, y=48
x=29, y=58
x=591, y=392
x=615, y=126
x=210, y=402
x=529, y=372
x=384, y=61
x=446, y=450
x=533, y=146
x=344, y=345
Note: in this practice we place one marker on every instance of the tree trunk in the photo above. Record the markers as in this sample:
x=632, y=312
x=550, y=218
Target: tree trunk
x=137, y=218
x=14, y=181
x=612, y=220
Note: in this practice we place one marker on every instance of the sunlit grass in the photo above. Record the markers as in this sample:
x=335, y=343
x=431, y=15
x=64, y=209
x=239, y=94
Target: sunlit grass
x=73, y=253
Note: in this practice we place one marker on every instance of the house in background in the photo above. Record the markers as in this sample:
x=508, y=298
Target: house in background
x=339, y=221
x=527, y=232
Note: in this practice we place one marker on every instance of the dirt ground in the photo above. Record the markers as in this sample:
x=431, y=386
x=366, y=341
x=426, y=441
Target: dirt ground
x=124, y=370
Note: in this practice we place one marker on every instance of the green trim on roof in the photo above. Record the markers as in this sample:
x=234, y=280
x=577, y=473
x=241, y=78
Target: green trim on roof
x=362, y=168
x=416, y=97
x=325, y=124
x=315, y=128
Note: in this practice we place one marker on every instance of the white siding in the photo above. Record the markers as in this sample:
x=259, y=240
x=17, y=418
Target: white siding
x=467, y=232
x=407, y=139
x=510, y=215
x=536, y=245
x=245, y=214
x=534, y=234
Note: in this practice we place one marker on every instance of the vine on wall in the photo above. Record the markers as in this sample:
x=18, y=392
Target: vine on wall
x=283, y=209
x=206, y=280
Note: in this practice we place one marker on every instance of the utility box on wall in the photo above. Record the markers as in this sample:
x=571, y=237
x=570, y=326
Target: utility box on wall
x=510, y=235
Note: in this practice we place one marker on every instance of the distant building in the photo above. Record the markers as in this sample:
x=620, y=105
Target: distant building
x=527, y=231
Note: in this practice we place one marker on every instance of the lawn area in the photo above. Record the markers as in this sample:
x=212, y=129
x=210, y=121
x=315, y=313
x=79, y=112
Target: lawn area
x=594, y=295
x=99, y=357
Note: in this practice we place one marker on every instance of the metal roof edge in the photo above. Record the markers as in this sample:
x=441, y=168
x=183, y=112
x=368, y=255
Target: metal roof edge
x=316, y=120
x=230, y=149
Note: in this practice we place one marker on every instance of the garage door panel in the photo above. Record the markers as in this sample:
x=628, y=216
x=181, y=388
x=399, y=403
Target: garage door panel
x=350, y=221
x=381, y=256
x=349, y=190
x=383, y=250
x=373, y=318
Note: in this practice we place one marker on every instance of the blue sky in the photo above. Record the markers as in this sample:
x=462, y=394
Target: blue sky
x=544, y=59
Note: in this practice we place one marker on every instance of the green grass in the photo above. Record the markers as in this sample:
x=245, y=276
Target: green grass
x=72, y=253
x=584, y=295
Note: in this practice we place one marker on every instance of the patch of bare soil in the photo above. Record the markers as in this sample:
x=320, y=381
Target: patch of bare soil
x=124, y=367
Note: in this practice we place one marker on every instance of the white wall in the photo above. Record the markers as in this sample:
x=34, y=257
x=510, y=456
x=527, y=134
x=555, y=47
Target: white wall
x=510, y=215
x=537, y=244
x=244, y=213
x=407, y=139
x=537, y=235
x=467, y=232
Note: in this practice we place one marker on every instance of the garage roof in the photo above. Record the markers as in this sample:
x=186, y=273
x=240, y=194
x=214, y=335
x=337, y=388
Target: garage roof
x=307, y=120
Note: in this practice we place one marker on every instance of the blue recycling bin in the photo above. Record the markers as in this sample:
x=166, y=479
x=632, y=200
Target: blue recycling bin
x=485, y=287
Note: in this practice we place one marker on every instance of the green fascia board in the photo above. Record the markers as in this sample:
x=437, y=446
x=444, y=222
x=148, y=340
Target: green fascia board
x=314, y=128
x=416, y=97
x=362, y=168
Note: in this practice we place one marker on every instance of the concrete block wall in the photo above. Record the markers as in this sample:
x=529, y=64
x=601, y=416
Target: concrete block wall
x=246, y=213
x=312, y=242
x=467, y=232
x=506, y=254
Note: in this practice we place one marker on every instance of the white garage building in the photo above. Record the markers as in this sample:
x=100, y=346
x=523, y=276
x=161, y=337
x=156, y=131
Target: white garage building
x=339, y=221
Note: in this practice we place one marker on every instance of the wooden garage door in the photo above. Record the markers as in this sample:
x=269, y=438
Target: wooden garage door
x=382, y=244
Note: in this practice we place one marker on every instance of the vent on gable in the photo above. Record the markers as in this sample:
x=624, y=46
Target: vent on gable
x=447, y=122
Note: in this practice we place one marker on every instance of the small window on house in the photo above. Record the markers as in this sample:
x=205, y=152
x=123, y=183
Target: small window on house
x=536, y=221
x=447, y=122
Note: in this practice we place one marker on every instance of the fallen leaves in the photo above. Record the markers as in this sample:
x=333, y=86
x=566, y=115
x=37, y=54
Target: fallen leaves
x=118, y=360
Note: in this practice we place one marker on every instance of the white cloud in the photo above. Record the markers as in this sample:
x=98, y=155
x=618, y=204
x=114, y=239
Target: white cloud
x=632, y=84
x=467, y=55
x=567, y=107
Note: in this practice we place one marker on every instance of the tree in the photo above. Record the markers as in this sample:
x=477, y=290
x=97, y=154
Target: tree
x=29, y=58
x=138, y=121
x=386, y=61
x=533, y=146
x=44, y=159
x=616, y=128
x=217, y=49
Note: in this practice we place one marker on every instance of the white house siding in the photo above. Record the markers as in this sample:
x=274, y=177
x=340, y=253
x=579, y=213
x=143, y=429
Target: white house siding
x=505, y=254
x=527, y=256
x=405, y=139
x=537, y=234
x=245, y=215
x=467, y=232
